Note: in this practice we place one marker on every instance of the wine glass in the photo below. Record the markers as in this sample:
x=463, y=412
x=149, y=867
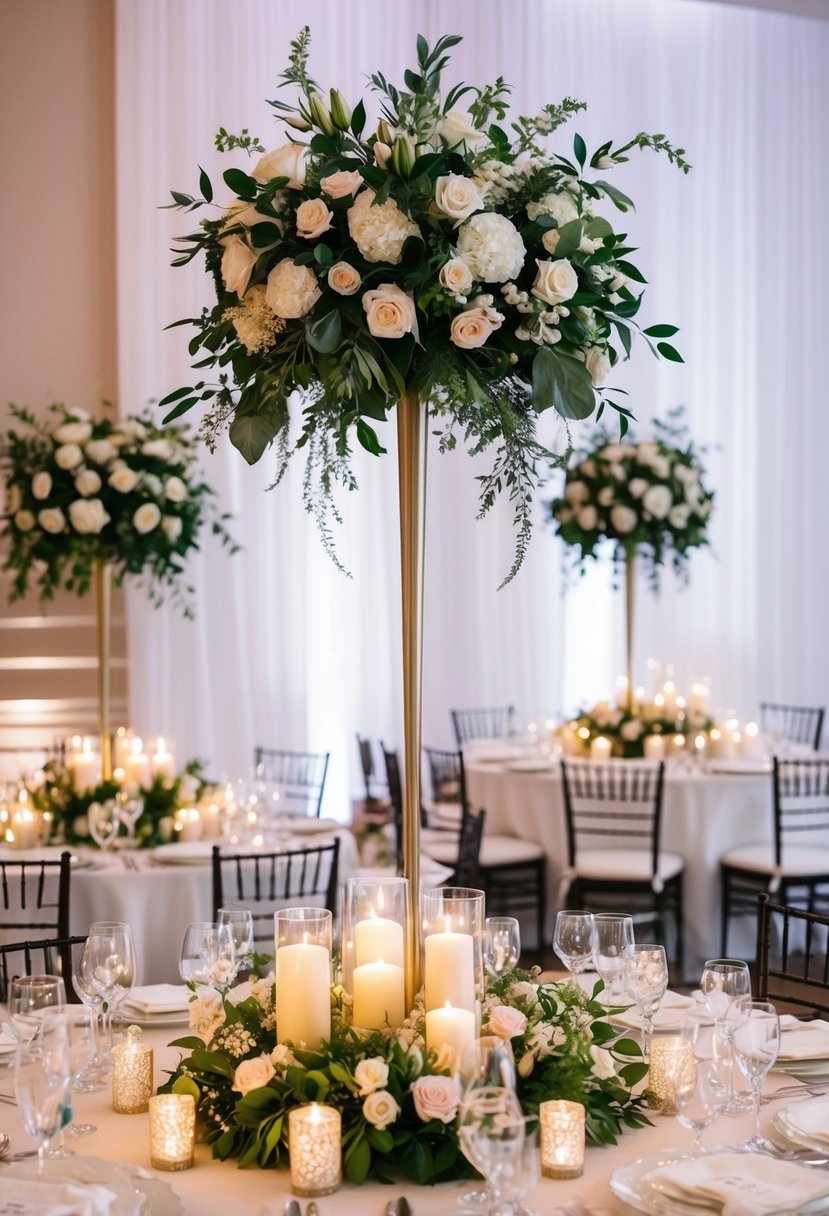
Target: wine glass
x=573, y=940
x=724, y=981
x=487, y=1062
x=491, y=1129
x=206, y=955
x=756, y=1046
x=41, y=1076
x=104, y=822
x=128, y=810
x=502, y=945
x=29, y=997
x=522, y=1179
x=79, y=1024
x=612, y=934
x=646, y=978
x=89, y=995
x=697, y=1096
x=240, y=923
x=109, y=961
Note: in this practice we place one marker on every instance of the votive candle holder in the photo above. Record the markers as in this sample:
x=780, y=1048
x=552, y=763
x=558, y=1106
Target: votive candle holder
x=315, y=1149
x=132, y=1074
x=172, y=1131
x=562, y=1139
x=672, y=1066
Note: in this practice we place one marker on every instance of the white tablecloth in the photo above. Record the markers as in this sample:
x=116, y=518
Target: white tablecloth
x=703, y=815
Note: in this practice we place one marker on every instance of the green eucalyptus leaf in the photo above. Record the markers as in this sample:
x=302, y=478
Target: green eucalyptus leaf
x=205, y=186
x=562, y=383
x=653, y=331
x=325, y=332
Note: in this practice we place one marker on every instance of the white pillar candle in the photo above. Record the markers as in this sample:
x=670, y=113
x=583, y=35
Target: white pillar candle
x=700, y=699
x=622, y=692
x=377, y=937
x=451, y=1027
x=379, y=994
x=752, y=743
x=654, y=747
x=187, y=825
x=677, y=744
x=449, y=971
x=137, y=768
x=211, y=820
x=700, y=743
x=669, y=697
x=121, y=747
x=163, y=764
x=303, y=994
x=25, y=828
x=600, y=748
x=86, y=769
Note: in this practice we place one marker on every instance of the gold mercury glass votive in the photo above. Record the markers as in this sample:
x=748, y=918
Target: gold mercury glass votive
x=672, y=1066
x=315, y=1148
x=172, y=1131
x=562, y=1139
x=132, y=1074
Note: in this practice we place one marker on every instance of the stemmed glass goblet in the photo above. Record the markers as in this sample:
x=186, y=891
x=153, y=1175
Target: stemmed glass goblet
x=128, y=810
x=240, y=923
x=207, y=955
x=502, y=945
x=573, y=940
x=724, y=981
x=29, y=998
x=81, y=1039
x=697, y=1097
x=491, y=1130
x=104, y=821
x=41, y=1075
x=756, y=1047
x=646, y=978
x=108, y=960
x=612, y=934
x=488, y=1062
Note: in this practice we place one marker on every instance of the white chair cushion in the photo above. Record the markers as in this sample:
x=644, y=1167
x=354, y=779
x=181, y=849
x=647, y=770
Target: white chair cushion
x=445, y=850
x=495, y=850
x=759, y=858
x=444, y=814
x=626, y=865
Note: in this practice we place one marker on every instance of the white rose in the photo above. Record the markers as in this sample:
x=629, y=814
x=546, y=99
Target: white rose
x=344, y=279
x=631, y=730
x=555, y=282
x=704, y=508
x=587, y=518
x=88, y=516
x=470, y=328
x=379, y=232
x=52, y=520
x=68, y=456
x=390, y=311
x=597, y=362
x=605, y=496
x=614, y=451
x=380, y=1109
x=647, y=451
x=160, y=448
x=624, y=519
x=588, y=468
x=436, y=1098
x=658, y=501
x=492, y=246
x=101, y=451
x=292, y=291
x=41, y=486
x=238, y=261
x=617, y=471
x=456, y=276
x=253, y=1074
x=340, y=185
x=287, y=161
x=146, y=518
x=151, y=484
x=24, y=521
x=171, y=526
x=312, y=219
x=14, y=500
x=87, y=482
x=72, y=432
x=175, y=489
x=371, y=1074
x=602, y=1063
x=661, y=466
x=638, y=486
x=457, y=196
x=678, y=515
x=686, y=473
x=123, y=480
x=576, y=492
x=457, y=128
x=550, y=239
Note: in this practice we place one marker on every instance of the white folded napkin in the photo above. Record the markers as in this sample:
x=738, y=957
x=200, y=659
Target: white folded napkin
x=54, y=1198
x=671, y=1012
x=739, y=1184
x=811, y=1117
x=157, y=998
x=803, y=1040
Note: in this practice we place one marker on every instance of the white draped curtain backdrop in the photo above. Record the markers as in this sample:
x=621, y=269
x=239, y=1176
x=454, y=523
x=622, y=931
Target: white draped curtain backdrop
x=284, y=650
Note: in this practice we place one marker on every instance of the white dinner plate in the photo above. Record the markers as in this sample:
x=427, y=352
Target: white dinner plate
x=136, y=1191
x=671, y=1014
x=129, y=1017
x=787, y=1122
x=49, y=852
x=309, y=825
x=740, y=768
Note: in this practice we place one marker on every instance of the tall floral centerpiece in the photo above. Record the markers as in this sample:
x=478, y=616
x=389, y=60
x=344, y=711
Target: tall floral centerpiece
x=649, y=498
x=445, y=261
x=89, y=500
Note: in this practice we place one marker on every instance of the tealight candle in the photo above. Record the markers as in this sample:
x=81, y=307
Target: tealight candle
x=672, y=1066
x=315, y=1148
x=187, y=824
x=654, y=747
x=172, y=1131
x=132, y=1074
x=600, y=748
x=562, y=1139
x=450, y=1027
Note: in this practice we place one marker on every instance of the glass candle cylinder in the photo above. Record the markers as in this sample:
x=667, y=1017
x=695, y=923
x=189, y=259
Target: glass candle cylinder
x=132, y=1074
x=373, y=947
x=304, y=939
x=672, y=1065
x=172, y=1131
x=562, y=1139
x=315, y=1149
x=452, y=923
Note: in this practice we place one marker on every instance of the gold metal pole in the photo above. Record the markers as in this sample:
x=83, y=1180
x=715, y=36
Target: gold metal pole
x=411, y=463
x=103, y=615
x=630, y=571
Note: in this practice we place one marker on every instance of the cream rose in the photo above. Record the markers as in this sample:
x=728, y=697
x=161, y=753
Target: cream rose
x=380, y=1109
x=88, y=516
x=550, y=239
x=587, y=518
x=41, y=486
x=624, y=519
x=123, y=480
x=101, y=451
x=390, y=311
x=638, y=486
x=87, y=482
x=371, y=1074
x=470, y=328
x=658, y=501
x=68, y=456
x=605, y=496
x=340, y=185
x=576, y=492
x=253, y=1074
x=436, y=1098
x=507, y=1022
x=171, y=526
x=457, y=196
x=457, y=128
x=160, y=448
x=312, y=219
x=344, y=279
x=151, y=484
x=72, y=432
x=146, y=518
x=24, y=521
x=52, y=520
x=597, y=363
x=175, y=489
x=631, y=730
x=444, y=1057
x=287, y=161
x=238, y=261
x=456, y=276
x=292, y=291
x=678, y=515
x=555, y=282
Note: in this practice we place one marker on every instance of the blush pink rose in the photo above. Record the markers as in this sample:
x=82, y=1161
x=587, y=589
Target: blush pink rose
x=436, y=1098
x=507, y=1022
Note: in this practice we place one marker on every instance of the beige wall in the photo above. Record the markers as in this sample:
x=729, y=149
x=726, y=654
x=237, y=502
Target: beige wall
x=58, y=331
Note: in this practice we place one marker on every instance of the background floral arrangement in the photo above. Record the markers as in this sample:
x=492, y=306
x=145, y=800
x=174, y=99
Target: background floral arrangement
x=441, y=253
x=628, y=728
x=647, y=497
x=117, y=489
x=398, y=1103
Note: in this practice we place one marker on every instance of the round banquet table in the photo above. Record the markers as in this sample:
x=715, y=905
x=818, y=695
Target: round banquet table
x=703, y=815
x=219, y=1188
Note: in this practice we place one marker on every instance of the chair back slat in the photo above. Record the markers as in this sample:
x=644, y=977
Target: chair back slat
x=467, y=868
x=42, y=956
x=793, y=957
x=794, y=723
x=618, y=803
x=493, y=723
x=35, y=895
x=801, y=803
x=445, y=774
x=300, y=777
